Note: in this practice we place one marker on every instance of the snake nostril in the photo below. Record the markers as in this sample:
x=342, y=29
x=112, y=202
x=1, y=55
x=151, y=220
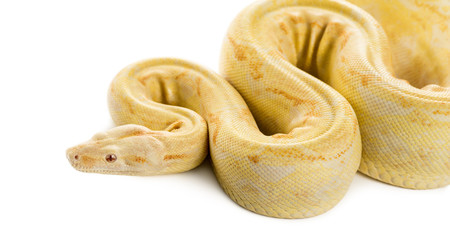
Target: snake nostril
x=76, y=157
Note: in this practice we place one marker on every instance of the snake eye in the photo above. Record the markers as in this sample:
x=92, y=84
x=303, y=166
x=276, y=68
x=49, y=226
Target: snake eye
x=110, y=157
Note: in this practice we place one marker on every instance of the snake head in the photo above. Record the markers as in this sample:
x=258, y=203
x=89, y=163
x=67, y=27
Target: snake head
x=128, y=149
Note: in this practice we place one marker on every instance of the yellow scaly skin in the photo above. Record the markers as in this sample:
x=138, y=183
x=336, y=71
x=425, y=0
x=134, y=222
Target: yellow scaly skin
x=300, y=158
x=301, y=171
x=405, y=125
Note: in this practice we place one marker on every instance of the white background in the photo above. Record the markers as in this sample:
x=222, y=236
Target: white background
x=56, y=61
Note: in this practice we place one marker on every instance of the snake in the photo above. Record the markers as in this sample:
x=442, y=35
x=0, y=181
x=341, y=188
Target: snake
x=309, y=92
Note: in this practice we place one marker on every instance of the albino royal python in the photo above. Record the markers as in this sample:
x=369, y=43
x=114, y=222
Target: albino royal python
x=311, y=90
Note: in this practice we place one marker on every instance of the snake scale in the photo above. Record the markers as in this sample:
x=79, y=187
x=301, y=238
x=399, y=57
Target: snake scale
x=310, y=91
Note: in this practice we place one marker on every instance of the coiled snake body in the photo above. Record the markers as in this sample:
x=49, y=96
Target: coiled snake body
x=282, y=142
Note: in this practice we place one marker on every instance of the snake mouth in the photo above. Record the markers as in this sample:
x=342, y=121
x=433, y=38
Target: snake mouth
x=109, y=171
